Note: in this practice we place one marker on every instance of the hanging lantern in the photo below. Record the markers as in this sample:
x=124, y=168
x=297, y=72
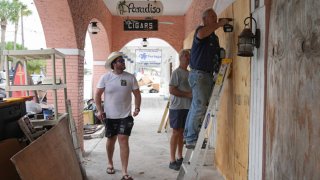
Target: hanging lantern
x=144, y=42
x=247, y=40
x=93, y=28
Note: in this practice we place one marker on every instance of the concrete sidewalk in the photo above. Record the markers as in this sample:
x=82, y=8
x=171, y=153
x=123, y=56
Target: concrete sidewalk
x=149, y=150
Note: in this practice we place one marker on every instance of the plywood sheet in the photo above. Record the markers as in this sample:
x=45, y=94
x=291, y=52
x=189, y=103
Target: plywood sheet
x=8, y=148
x=233, y=119
x=187, y=43
x=293, y=81
x=50, y=157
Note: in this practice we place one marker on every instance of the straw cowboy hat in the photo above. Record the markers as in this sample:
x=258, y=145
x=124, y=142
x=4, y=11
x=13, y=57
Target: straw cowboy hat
x=111, y=58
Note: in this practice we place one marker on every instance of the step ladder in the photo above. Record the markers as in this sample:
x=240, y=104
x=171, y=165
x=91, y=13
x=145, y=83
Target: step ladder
x=195, y=158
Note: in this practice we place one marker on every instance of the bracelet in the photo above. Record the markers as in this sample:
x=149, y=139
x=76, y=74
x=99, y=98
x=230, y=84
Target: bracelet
x=137, y=109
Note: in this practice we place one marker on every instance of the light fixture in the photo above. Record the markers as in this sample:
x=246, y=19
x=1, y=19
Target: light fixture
x=93, y=28
x=247, y=40
x=227, y=27
x=144, y=42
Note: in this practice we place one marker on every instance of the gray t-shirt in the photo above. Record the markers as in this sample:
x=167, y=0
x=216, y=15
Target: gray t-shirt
x=117, y=93
x=179, y=79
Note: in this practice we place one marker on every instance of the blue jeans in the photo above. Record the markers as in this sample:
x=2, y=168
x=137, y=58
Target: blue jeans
x=201, y=84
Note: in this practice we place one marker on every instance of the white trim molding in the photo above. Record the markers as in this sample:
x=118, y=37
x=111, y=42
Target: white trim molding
x=99, y=63
x=257, y=102
x=71, y=52
x=220, y=5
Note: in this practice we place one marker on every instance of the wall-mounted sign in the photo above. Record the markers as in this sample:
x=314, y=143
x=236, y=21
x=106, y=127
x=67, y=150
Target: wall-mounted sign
x=140, y=25
x=148, y=57
x=140, y=8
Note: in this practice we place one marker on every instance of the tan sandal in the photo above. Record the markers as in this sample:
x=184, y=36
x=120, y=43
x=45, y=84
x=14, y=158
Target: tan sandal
x=110, y=170
x=126, y=177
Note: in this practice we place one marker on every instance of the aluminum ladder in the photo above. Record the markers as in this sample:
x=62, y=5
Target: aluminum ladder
x=194, y=158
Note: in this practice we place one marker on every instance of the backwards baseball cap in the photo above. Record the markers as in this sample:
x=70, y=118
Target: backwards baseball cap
x=113, y=56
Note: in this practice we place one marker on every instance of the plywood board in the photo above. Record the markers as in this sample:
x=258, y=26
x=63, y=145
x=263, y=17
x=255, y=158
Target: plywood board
x=50, y=157
x=8, y=148
x=293, y=81
x=187, y=43
x=233, y=118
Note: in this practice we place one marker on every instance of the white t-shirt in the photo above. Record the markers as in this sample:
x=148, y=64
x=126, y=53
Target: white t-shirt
x=117, y=93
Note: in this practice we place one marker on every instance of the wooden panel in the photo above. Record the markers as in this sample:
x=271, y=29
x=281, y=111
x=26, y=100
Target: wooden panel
x=233, y=118
x=224, y=155
x=8, y=148
x=187, y=43
x=293, y=81
x=50, y=157
x=241, y=94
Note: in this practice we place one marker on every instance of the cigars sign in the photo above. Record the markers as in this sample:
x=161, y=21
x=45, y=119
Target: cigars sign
x=140, y=25
x=140, y=8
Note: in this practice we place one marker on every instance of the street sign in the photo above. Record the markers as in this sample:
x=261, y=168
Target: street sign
x=140, y=25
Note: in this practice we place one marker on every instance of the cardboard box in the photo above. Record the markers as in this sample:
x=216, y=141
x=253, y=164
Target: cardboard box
x=88, y=117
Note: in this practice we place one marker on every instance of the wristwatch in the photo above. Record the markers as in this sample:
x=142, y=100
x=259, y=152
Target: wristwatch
x=137, y=109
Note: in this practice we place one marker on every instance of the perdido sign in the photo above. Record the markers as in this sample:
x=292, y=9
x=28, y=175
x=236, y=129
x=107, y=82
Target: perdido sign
x=148, y=57
x=140, y=8
x=140, y=25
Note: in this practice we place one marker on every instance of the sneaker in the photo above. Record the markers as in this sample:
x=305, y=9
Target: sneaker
x=179, y=161
x=191, y=145
x=204, y=144
x=173, y=165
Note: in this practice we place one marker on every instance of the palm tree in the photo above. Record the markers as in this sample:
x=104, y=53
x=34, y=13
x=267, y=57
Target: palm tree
x=19, y=10
x=8, y=12
x=24, y=12
x=15, y=19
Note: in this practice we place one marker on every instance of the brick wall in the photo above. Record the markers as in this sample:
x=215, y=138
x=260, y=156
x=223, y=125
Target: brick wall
x=193, y=17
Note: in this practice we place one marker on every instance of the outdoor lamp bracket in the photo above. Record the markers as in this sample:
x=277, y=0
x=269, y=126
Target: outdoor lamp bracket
x=247, y=40
x=93, y=28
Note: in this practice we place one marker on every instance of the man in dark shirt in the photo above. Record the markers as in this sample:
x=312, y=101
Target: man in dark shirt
x=204, y=63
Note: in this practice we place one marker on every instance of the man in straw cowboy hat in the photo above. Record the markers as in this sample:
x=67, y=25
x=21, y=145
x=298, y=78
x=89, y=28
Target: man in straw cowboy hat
x=117, y=86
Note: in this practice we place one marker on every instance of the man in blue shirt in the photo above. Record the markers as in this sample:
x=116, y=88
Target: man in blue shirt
x=204, y=62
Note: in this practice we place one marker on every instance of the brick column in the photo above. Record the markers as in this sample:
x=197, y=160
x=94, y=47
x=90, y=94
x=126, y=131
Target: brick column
x=75, y=75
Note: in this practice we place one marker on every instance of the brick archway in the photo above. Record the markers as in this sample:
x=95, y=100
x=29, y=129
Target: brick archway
x=65, y=24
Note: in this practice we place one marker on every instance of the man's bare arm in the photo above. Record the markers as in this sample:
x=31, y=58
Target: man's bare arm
x=207, y=30
x=175, y=91
x=137, y=101
x=97, y=99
